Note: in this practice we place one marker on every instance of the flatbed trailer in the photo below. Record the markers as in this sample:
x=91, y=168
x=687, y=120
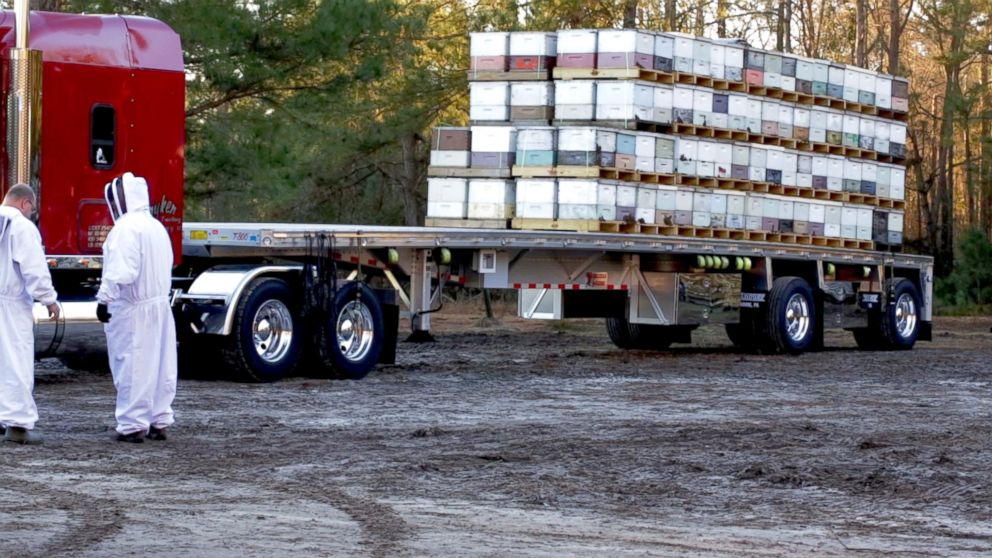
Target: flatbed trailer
x=652, y=290
x=260, y=300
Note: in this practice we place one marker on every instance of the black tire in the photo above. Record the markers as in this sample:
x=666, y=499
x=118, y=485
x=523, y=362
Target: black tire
x=238, y=351
x=773, y=329
x=339, y=353
x=884, y=331
x=626, y=335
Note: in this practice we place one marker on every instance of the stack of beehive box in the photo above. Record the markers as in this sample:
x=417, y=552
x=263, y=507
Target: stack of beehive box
x=675, y=131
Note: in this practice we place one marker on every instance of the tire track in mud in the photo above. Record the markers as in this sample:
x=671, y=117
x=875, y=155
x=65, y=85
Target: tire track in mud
x=383, y=530
x=91, y=520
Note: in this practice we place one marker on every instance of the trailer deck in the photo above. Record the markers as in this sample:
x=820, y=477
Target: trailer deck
x=291, y=240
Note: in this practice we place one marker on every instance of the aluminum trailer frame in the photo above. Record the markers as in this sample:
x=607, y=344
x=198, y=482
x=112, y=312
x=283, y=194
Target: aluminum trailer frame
x=543, y=260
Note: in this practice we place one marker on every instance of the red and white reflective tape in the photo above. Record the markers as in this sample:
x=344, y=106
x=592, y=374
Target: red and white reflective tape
x=373, y=262
x=568, y=286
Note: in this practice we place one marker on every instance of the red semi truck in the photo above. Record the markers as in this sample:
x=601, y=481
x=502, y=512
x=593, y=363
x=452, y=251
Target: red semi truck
x=90, y=97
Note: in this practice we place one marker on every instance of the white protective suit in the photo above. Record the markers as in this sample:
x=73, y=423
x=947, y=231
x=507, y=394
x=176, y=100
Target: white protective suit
x=24, y=278
x=141, y=335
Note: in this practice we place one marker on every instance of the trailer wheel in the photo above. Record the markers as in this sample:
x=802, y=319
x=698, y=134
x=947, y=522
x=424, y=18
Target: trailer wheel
x=789, y=323
x=265, y=344
x=354, y=333
x=626, y=335
x=897, y=325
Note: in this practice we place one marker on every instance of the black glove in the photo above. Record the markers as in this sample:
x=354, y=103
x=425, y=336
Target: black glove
x=102, y=314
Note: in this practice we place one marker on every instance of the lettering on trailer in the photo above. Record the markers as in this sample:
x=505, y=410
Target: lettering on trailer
x=752, y=300
x=869, y=301
x=164, y=208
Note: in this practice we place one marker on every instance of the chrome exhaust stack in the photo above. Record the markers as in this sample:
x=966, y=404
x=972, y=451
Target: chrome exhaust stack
x=24, y=107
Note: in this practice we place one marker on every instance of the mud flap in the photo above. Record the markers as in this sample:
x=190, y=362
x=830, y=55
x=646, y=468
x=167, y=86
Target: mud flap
x=390, y=324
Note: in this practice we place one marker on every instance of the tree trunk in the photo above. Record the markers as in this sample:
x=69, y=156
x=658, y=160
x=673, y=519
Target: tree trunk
x=895, y=36
x=630, y=14
x=922, y=186
x=700, y=18
x=985, y=168
x=861, y=33
x=780, y=26
x=787, y=26
x=410, y=179
x=970, y=188
x=722, y=12
x=670, y=15
x=944, y=186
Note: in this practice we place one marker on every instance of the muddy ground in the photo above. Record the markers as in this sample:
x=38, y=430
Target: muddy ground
x=531, y=439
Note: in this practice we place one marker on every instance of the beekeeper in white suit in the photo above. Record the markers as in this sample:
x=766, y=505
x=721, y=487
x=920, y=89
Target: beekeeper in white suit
x=134, y=305
x=24, y=278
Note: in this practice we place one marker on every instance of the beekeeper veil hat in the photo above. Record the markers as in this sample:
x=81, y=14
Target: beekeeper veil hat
x=126, y=194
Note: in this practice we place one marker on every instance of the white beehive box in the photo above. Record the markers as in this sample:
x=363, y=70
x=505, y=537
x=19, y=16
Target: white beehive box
x=536, y=139
x=578, y=192
x=450, y=158
x=447, y=210
x=535, y=198
x=664, y=46
x=533, y=44
x=577, y=139
x=447, y=190
x=575, y=92
x=488, y=44
x=576, y=41
x=489, y=92
x=626, y=196
x=494, y=139
x=531, y=93
x=490, y=199
x=611, y=40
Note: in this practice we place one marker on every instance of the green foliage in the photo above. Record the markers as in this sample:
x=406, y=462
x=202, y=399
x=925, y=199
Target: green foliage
x=970, y=283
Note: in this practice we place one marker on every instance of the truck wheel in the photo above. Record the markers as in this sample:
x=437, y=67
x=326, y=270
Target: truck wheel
x=626, y=335
x=354, y=333
x=264, y=345
x=897, y=325
x=789, y=323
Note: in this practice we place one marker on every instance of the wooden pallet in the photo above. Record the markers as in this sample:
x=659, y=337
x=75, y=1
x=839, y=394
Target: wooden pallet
x=443, y=223
x=461, y=172
x=578, y=225
x=524, y=75
x=563, y=171
x=658, y=178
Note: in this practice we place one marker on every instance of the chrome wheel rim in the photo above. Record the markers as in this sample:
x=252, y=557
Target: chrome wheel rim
x=355, y=331
x=272, y=331
x=905, y=315
x=797, y=318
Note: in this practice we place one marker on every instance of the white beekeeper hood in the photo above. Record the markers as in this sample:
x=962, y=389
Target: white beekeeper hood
x=126, y=193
